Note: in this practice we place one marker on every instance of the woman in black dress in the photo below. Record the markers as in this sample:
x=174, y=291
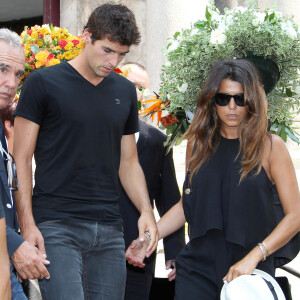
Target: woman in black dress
x=233, y=163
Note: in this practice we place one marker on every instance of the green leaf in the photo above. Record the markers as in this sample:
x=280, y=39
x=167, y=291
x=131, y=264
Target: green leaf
x=51, y=27
x=272, y=16
x=27, y=67
x=289, y=92
x=25, y=38
x=176, y=35
x=207, y=14
x=35, y=49
x=200, y=24
x=291, y=135
x=266, y=17
x=283, y=135
x=139, y=105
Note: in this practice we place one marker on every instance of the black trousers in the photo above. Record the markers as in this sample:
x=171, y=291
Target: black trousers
x=139, y=281
x=203, y=263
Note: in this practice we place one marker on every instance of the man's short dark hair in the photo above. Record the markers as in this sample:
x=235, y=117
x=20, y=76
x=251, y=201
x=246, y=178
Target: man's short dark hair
x=115, y=22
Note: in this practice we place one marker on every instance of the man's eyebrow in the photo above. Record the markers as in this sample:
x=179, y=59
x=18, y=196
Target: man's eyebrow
x=21, y=72
x=4, y=65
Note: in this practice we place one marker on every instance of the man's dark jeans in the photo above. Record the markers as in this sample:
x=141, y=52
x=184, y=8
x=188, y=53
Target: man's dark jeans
x=87, y=261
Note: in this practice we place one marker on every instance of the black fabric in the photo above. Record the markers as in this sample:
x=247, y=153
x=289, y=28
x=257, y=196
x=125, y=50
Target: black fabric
x=1, y=211
x=14, y=240
x=202, y=264
x=78, y=146
x=244, y=211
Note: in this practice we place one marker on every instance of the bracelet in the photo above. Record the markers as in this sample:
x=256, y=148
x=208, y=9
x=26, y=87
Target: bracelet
x=267, y=252
x=263, y=250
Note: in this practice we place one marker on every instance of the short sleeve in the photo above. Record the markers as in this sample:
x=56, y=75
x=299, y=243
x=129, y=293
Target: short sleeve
x=32, y=99
x=2, y=215
x=132, y=125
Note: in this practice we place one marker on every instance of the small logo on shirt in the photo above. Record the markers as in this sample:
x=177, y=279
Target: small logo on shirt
x=118, y=101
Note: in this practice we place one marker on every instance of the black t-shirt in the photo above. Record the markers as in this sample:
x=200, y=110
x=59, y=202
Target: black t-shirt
x=2, y=215
x=78, y=146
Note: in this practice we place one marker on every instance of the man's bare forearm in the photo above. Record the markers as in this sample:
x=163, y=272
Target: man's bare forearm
x=134, y=184
x=24, y=194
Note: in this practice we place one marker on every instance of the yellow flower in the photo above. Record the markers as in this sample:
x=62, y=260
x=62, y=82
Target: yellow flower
x=39, y=43
x=69, y=46
x=54, y=61
x=60, y=56
x=81, y=44
x=42, y=56
x=38, y=64
x=68, y=55
x=34, y=35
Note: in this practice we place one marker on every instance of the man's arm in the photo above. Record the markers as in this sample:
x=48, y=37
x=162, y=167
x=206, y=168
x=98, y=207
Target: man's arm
x=29, y=259
x=5, y=291
x=133, y=182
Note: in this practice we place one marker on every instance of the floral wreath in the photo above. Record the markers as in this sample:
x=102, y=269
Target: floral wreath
x=237, y=33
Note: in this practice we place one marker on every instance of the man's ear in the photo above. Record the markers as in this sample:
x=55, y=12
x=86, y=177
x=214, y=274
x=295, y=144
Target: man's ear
x=86, y=35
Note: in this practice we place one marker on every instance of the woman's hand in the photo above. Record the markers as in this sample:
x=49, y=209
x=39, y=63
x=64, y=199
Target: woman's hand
x=245, y=266
x=137, y=251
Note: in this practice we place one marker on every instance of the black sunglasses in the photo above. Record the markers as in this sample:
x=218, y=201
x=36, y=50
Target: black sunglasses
x=223, y=99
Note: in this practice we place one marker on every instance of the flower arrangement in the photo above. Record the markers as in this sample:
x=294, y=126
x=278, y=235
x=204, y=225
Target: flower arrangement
x=235, y=34
x=47, y=45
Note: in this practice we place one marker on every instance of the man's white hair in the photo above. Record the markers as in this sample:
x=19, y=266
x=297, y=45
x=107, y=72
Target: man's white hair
x=11, y=38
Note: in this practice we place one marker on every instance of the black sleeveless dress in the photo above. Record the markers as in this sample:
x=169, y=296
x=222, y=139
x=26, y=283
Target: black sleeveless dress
x=226, y=220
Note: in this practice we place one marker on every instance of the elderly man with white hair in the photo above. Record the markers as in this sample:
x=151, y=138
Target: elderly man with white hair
x=25, y=258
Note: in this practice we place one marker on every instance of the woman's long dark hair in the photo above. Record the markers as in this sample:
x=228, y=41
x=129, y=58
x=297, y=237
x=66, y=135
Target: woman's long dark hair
x=252, y=131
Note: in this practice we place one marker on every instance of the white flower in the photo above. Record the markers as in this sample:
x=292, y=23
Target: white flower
x=297, y=90
x=189, y=115
x=194, y=31
x=146, y=93
x=240, y=9
x=215, y=16
x=217, y=37
x=255, y=22
x=229, y=20
x=289, y=29
x=278, y=15
x=46, y=26
x=222, y=26
x=182, y=88
x=168, y=64
x=173, y=46
x=260, y=17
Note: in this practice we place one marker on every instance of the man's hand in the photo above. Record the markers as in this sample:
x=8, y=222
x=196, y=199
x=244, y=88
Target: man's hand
x=33, y=236
x=147, y=228
x=30, y=262
x=170, y=264
x=136, y=252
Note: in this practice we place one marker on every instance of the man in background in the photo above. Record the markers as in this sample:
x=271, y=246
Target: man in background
x=162, y=187
x=25, y=258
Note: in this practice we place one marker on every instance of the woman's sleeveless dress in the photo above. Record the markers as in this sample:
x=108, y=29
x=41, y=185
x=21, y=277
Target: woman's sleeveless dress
x=226, y=220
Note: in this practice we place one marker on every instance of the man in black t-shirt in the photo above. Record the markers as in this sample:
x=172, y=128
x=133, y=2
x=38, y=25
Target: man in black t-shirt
x=79, y=119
